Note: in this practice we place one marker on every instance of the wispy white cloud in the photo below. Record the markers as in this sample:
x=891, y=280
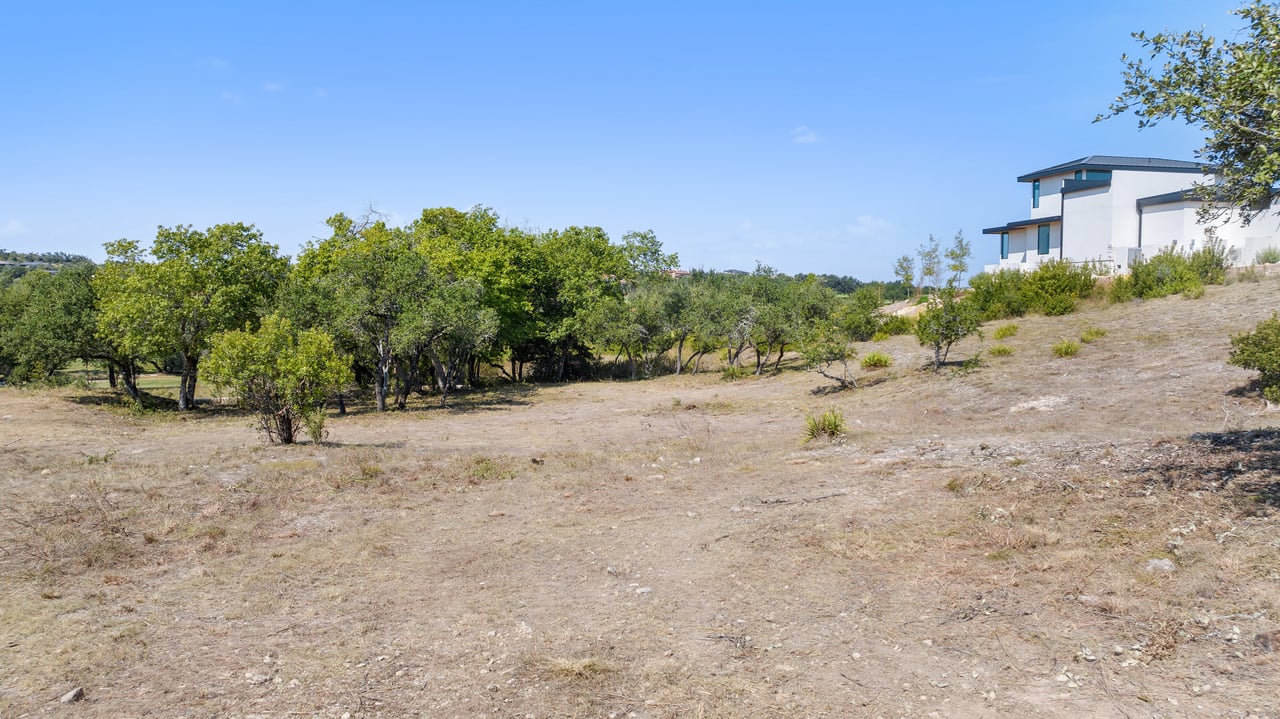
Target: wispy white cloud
x=272, y=86
x=803, y=135
x=216, y=63
x=321, y=92
x=231, y=97
x=13, y=228
x=868, y=225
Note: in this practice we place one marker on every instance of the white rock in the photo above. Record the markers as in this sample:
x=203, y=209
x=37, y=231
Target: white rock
x=74, y=695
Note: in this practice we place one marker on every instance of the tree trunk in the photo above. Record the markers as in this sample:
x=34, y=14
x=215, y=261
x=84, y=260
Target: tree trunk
x=187, y=387
x=129, y=376
x=680, y=353
x=111, y=375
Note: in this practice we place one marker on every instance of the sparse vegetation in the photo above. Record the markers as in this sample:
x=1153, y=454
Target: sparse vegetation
x=1066, y=348
x=1005, y=331
x=1267, y=256
x=1091, y=334
x=876, y=360
x=1000, y=350
x=830, y=424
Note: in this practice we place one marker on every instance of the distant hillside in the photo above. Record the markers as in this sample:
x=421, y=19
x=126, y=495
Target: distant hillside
x=16, y=264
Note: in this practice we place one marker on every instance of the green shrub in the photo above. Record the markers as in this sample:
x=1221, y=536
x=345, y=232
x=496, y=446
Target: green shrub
x=830, y=424
x=1066, y=348
x=1169, y=272
x=880, y=336
x=1056, y=286
x=1091, y=334
x=998, y=295
x=1210, y=262
x=1001, y=351
x=735, y=372
x=1005, y=331
x=876, y=360
x=1260, y=350
x=1267, y=256
x=897, y=325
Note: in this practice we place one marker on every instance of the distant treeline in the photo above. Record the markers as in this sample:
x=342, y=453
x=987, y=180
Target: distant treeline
x=443, y=301
x=16, y=264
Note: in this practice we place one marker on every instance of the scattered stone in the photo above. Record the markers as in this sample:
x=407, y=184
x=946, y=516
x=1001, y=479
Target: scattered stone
x=644, y=590
x=74, y=695
x=1087, y=654
x=1269, y=641
x=1161, y=565
x=256, y=677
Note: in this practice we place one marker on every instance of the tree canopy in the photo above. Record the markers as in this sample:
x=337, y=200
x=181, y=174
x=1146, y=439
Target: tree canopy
x=1228, y=88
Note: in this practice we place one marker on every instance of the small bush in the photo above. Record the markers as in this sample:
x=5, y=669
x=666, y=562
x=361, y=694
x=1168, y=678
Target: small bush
x=1169, y=272
x=1001, y=351
x=1056, y=286
x=1066, y=348
x=1260, y=350
x=735, y=372
x=1005, y=331
x=830, y=424
x=1210, y=262
x=998, y=295
x=880, y=336
x=1267, y=256
x=876, y=360
x=897, y=325
x=1091, y=334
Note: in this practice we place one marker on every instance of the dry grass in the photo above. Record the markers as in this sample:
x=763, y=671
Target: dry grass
x=603, y=549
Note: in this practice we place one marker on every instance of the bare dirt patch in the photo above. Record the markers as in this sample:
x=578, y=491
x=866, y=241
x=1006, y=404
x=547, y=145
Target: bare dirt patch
x=1031, y=537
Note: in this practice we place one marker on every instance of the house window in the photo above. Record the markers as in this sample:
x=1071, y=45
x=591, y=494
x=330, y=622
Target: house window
x=1004, y=245
x=1079, y=174
x=1098, y=175
x=1035, y=194
x=1042, y=244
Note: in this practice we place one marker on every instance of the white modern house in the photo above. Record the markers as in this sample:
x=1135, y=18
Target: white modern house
x=1112, y=210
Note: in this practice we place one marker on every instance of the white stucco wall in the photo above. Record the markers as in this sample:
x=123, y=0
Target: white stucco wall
x=1127, y=187
x=1087, y=218
x=1050, y=196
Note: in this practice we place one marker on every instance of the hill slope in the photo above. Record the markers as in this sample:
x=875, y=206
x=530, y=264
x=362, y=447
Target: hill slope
x=1036, y=537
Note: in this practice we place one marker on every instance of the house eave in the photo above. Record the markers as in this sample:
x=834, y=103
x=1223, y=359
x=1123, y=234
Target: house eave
x=1022, y=223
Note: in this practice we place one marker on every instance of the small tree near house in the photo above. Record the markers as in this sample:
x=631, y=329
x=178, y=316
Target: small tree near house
x=948, y=320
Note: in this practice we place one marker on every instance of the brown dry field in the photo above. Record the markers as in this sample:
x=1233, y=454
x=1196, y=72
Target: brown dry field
x=977, y=546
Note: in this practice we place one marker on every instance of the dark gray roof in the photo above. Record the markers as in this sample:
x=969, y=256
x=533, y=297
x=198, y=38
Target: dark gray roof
x=1115, y=162
x=1069, y=186
x=1169, y=198
x=1022, y=223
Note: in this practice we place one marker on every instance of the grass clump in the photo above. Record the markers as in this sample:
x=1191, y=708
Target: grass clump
x=876, y=360
x=830, y=424
x=1091, y=334
x=1000, y=351
x=1066, y=348
x=1267, y=256
x=1005, y=331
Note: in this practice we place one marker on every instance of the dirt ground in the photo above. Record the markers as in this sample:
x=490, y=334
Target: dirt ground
x=1031, y=537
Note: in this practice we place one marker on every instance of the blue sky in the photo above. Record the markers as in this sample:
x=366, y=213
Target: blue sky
x=812, y=137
